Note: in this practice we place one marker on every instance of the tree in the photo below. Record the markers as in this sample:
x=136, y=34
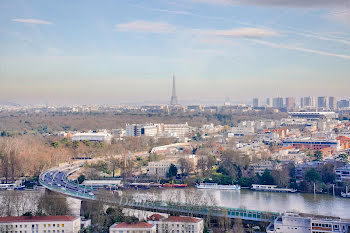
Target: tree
x=327, y=173
x=53, y=204
x=238, y=226
x=312, y=175
x=172, y=171
x=266, y=178
x=281, y=177
x=81, y=179
x=318, y=155
x=114, y=164
x=186, y=166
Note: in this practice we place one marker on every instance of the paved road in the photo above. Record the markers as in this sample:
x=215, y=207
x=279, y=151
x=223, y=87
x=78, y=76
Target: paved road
x=56, y=179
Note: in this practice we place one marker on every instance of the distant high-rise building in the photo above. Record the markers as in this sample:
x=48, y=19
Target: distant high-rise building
x=307, y=102
x=290, y=103
x=343, y=104
x=173, y=100
x=277, y=102
x=332, y=102
x=256, y=102
x=322, y=102
x=269, y=102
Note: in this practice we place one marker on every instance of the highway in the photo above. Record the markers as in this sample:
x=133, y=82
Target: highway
x=56, y=179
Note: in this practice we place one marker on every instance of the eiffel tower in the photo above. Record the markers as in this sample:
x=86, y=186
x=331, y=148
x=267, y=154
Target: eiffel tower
x=173, y=100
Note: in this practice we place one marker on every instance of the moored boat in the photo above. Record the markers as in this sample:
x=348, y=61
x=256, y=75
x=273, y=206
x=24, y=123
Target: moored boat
x=271, y=188
x=217, y=186
x=168, y=185
x=345, y=194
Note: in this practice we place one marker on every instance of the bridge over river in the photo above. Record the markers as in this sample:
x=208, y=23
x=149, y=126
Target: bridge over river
x=56, y=179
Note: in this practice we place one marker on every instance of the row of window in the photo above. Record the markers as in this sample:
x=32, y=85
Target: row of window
x=33, y=226
x=49, y=231
x=324, y=225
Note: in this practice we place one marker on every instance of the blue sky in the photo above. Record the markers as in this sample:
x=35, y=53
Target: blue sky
x=127, y=51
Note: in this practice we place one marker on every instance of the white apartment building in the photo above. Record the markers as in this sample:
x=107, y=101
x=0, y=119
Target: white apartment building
x=40, y=224
x=178, y=224
x=177, y=130
x=343, y=173
x=137, y=227
x=239, y=132
x=98, y=136
x=307, y=223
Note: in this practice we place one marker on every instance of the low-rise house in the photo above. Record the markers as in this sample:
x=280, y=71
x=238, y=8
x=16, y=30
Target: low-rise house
x=40, y=224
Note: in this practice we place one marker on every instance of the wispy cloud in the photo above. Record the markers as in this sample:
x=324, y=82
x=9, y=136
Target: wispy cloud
x=32, y=21
x=146, y=26
x=281, y=3
x=247, y=32
x=164, y=28
x=342, y=16
x=297, y=48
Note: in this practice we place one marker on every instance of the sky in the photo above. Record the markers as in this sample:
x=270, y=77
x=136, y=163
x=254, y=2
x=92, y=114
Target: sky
x=126, y=51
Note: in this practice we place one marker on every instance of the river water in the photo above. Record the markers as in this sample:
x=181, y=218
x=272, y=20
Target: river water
x=265, y=201
x=321, y=204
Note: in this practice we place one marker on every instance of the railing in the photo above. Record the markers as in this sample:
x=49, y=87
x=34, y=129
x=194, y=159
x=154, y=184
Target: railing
x=59, y=189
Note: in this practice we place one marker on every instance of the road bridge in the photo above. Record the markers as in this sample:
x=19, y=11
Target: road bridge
x=56, y=179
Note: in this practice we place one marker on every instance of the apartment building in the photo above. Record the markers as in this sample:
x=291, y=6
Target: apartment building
x=176, y=130
x=261, y=166
x=312, y=144
x=40, y=224
x=343, y=173
x=307, y=223
x=136, y=227
x=179, y=224
x=159, y=168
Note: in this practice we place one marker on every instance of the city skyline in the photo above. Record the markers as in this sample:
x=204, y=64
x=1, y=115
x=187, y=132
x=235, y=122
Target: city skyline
x=126, y=52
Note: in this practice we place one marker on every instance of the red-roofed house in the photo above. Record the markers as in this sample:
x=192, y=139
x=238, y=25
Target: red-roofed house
x=40, y=224
x=344, y=142
x=136, y=227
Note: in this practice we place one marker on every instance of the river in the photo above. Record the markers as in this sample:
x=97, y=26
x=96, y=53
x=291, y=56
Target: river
x=277, y=202
x=321, y=204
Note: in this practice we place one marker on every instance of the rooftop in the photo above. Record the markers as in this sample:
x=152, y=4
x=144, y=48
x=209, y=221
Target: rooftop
x=133, y=225
x=182, y=219
x=155, y=217
x=61, y=218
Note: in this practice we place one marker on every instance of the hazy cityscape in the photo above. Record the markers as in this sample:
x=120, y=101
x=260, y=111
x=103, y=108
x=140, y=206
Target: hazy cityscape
x=186, y=116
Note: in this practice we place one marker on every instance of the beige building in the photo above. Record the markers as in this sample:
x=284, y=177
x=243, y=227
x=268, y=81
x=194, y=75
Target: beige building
x=40, y=224
x=137, y=227
x=177, y=224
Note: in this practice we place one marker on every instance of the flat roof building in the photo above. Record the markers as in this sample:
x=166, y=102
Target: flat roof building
x=40, y=224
